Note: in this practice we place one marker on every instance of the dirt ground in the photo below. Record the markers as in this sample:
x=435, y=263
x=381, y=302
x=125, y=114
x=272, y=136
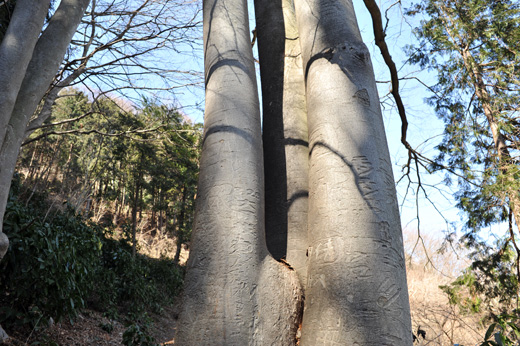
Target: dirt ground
x=88, y=329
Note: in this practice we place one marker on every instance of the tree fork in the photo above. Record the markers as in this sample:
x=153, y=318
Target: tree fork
x=285, y=137
x=235, y=292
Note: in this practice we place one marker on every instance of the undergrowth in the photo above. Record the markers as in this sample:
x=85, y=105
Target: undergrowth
x=58, y=264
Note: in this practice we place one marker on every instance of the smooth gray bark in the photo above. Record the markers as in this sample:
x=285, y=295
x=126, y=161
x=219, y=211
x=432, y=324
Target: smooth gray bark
x=284, y=132
x=15, y=53
x=296, y=143
x=235, y=293
x=3, y=335
x=16, y=50
x=44, y=62
x=356, y=290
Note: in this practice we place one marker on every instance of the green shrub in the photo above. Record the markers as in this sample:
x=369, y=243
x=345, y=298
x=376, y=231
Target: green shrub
x=137, y=333
x=504, y=332
x=136, y=283
x=167, y=276
x=54, y=267
x=49, y=268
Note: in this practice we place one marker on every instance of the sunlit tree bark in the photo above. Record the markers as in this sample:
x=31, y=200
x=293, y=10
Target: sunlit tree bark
x=28, y=63
x=321, y=108
x=356, y=289
x=235, y=293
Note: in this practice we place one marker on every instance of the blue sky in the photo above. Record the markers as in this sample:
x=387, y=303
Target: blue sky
x=424, y=130
x=424, y=125
x=437, y=212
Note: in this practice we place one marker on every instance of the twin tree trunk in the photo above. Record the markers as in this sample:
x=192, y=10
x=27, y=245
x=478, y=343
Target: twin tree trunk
x=330, y=204
x=236, y=293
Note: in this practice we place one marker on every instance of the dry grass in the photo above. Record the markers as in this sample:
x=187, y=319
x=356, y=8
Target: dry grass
x=160, y=246
x=427, y=269
x=443, y=323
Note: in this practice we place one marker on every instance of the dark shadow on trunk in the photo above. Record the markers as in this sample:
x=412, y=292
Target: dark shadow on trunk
x=271, y=47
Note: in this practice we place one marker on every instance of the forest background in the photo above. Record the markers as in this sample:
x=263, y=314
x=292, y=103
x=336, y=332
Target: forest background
x=119, y=149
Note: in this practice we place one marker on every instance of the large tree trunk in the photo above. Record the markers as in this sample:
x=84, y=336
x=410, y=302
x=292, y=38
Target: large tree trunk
x=356, y=290
x=285, y=136
x=271, y=49
x=235, y=293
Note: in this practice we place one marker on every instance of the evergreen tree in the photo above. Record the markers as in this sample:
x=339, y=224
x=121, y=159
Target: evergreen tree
x=474, y=48
x=116, y=165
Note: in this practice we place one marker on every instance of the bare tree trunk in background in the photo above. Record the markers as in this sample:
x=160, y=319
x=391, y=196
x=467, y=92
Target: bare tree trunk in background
x=28, y=63
x=134, y=218
x=356, y=289
x=180, y=226
x=235, y=293
x=44, y=57
x=16, y=51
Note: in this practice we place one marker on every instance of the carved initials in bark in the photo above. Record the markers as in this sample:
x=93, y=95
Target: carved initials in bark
x=354, y=268
x=362, y=167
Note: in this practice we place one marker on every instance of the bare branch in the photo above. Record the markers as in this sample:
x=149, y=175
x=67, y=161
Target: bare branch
x=88, y=132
